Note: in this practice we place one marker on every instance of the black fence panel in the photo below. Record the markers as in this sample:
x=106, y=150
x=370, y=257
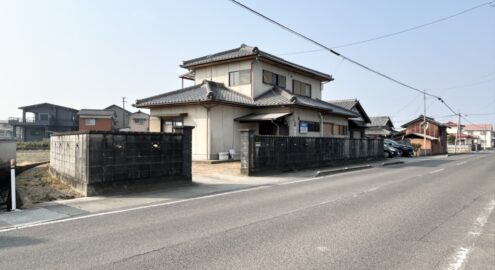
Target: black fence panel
x=265, y=154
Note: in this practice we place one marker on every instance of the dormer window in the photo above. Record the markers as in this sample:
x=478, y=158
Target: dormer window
x=274, y=79
x=239, y=77
x=300, y=88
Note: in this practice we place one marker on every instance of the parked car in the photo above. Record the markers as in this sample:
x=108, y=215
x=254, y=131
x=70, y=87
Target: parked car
x=405, y=149
x=389, y=151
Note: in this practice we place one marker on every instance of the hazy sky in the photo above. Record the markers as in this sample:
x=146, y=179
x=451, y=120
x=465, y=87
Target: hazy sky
x=88, y=54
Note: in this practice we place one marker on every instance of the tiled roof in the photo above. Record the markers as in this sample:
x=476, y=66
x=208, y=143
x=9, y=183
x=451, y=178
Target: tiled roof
x=482, y=127
x=207, y=91
x=248, y=51
x=345, y=103
x=420, y=118
x=352, y=104
x=213, y=91
x=94, y=112
x=379, y=121
x=279, y=96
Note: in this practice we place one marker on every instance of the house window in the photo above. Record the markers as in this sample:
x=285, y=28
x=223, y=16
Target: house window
x=169, y=124
x=300, y=88
x=43, y=116
x=339, y=130
x=139, y=121
x=308, y=126
x=274, y=79
x=239, y=77
x=90, y=122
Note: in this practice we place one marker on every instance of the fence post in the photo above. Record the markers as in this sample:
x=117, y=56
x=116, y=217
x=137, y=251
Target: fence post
x=186, y=132
x=12, y=185
x=246, y=135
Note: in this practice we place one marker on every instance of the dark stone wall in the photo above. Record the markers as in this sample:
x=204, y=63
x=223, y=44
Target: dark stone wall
x=103, y=162
x=262, y=154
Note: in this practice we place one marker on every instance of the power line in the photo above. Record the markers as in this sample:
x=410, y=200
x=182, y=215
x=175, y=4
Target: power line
x=464, y=85
x=399, y=32
x=340, y=55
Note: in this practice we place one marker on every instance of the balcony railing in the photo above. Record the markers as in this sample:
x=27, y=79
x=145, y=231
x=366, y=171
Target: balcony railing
x=29, y=121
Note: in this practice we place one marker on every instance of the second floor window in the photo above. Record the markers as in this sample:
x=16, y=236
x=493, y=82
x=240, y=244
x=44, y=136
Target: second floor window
x=90, y=122
x=139, y=121
x=300, y=88
x=43, y=117
x=239, y=77
x=274, y=79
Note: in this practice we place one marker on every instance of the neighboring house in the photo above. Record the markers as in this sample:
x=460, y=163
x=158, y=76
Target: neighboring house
x=246, y=88
x=139, y=121
x=484, y=132
x=6, y=130
x=98, y=120
x=380, y=127
x=462, y=138
x=122, y=115
x=432, y=136
x=357, y=125
x=39, y=120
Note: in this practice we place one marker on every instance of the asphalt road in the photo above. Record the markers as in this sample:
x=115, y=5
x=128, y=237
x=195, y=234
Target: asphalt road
x=434, y=214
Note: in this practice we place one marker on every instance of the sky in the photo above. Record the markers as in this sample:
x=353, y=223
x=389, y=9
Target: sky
x=90, y=54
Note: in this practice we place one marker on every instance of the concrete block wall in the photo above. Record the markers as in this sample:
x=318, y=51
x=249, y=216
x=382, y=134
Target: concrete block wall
x=95, y=162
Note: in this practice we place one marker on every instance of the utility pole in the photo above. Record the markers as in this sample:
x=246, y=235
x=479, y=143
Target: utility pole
x=424, y=123
x=123, y=112
x=458, y=133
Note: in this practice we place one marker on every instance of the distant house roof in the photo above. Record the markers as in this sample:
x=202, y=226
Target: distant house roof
x=380, y=121
x=117, y=107
x=210, y=91
x=248, y=52
x=480, y=127
x=96, y=113
x=191, y=75
x=352, y=104
x=46, y=104
x=451, y=124
x=139, y=112
x=420, y=118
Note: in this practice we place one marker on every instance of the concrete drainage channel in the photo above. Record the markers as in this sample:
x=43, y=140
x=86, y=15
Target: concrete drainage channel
x=356, y=168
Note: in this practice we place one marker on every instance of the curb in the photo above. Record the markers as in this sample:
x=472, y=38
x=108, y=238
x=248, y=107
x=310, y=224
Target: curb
x=392, y=163
x=342, y=170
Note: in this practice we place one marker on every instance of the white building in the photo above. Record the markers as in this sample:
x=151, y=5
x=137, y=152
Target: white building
x=484, y=132
x=246, y=88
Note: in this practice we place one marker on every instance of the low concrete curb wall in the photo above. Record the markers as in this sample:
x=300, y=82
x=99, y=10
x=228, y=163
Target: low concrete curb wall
x=355, y=168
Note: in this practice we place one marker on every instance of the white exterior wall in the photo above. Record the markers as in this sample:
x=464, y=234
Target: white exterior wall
x=139, y=127
x=484, y=139
x=259, y=87
x=196, y=117
x=220, y=73
x=224, y=131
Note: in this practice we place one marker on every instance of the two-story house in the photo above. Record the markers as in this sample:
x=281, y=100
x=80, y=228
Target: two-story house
x=39, y=120
x=484, y=132
x=246, y=88
x=432, y=135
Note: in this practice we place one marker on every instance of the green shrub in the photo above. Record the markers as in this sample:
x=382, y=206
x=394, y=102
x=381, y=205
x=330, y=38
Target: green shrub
x=41, y=145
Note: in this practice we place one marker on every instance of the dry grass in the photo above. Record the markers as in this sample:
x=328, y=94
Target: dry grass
x=40, y=186
x=25, y=157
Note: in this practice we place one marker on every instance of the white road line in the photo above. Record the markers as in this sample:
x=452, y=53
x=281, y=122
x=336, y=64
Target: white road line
x=302, y=180
x=436, y=171
x=458, y=260
x=460, y=163
x=132, y=209
x=372, y=189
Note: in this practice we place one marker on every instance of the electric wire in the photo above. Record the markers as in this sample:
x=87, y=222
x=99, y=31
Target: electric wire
x=343, y=56
x=399, y=32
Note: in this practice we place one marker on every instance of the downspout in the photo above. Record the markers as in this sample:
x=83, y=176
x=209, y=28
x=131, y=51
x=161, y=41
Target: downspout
x=273, y=122
x=321, y=124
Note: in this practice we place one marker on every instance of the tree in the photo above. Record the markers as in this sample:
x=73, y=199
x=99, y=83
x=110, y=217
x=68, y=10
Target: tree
x=416, y=147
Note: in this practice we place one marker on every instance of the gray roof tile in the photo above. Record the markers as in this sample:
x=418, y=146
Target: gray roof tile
x=213, y=91
x=246, y=51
